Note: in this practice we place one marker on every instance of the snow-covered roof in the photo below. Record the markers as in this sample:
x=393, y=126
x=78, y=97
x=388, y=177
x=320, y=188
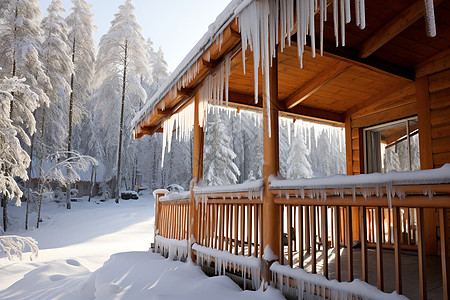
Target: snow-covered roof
x=214, y=30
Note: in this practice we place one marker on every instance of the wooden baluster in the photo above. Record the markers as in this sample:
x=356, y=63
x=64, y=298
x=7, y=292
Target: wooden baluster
x=397, y=249
x=220, y=208
x=242, y=224
x=324, y=221
x=382, y=226
x=289, y=234
x=313, y=240
x=300, y=236
x=216, y=226
x=255, y=229
x=249, y=229
x=408, y=226
x=307, y=230
x=260, y=213
x=443, y=227
x=236, y=228
x=349, y=235
x=294, y=238
x=389, y=227
x=227, y=225
x=363, y=237
x=380, y=278
x=337, y=245
x=207, y=225
x=333, y=234
x=421, y=254
x=281, y=212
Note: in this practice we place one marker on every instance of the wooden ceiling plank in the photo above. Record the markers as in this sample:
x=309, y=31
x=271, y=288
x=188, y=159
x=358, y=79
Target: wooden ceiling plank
x=316, y=83
x=394, y=27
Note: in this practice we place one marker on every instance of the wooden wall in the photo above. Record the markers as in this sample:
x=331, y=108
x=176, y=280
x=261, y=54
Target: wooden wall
x=399, y=105
x=439, y=90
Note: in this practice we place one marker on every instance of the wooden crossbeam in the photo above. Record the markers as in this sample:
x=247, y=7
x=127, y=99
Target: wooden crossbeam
x=394, y=27
x=316, y=83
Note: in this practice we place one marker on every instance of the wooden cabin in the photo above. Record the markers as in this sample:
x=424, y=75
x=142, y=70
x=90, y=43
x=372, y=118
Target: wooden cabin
x=390, y=82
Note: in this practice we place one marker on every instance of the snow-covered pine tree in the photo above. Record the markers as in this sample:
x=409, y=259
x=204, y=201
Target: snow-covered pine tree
x=121, y=63
x=219, y=167
x=58, y=67
x=14, y=160
x=21, y=39
x=81, y=27
x=159, y=69
x=298, y=165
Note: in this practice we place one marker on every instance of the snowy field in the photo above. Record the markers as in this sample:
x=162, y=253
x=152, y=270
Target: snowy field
x=100, y=251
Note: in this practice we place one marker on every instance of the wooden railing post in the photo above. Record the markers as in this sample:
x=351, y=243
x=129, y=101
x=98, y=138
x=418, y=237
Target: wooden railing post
x=197, y=171
x=271, y=223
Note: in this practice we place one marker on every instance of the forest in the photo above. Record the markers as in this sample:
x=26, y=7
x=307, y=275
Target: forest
x=67, y=103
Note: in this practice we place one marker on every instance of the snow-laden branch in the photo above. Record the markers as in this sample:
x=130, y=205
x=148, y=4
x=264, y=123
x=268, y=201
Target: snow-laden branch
x=13, y=245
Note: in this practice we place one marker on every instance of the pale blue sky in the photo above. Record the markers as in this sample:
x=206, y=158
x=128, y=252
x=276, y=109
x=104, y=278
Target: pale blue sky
x=174, y=25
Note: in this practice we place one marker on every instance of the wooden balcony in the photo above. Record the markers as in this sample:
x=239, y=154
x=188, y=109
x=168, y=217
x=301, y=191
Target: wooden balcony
x=371, y=232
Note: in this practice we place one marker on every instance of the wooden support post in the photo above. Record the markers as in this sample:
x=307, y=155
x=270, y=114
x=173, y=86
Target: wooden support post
x=426, y=155
x=380, y=279
x=443, y=225
x=271, y=224
x=197, y=170
x=363, y=233
x=421, y=254
x=337, y=243
x=349, y=235
x=397, y=249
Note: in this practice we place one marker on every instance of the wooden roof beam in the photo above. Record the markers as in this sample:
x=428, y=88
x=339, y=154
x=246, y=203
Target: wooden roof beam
x=394, y=27
x=245, y=100
x=316, y=83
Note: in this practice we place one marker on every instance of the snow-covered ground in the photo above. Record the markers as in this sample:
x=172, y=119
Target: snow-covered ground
x=100, y=251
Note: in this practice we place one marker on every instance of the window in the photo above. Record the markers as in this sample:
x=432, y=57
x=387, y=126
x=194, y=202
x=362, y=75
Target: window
x=392, y=146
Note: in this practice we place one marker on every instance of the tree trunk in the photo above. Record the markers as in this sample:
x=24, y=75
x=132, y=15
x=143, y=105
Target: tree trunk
x=5, y=212
x=91, y=185
x=69, y=143
x=121, y=121
x=29, y=183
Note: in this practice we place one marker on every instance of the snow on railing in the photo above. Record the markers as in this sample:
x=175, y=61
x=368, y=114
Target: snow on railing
x=224, y=260
x=171, y=247
x=253, y=188
x=317, y=187
x=308, y=284
x=175, y=196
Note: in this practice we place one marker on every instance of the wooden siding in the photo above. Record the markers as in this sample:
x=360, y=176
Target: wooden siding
x=439, y=88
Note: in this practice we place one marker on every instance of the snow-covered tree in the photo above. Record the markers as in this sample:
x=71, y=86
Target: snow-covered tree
x=21, y=38
x=81, y=42
x=121, y=63
x=13, y=245
x=58, y=66
x=218, y=165
x=14, y=160
x=64, y=171
x=298, y=165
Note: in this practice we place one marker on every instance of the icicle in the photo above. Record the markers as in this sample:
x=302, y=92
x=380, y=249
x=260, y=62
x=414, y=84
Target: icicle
x=342, y=15
x=430, y=22
x=311, y=28
x=227, y=75
x=323, y=5
x=348, y=16
x=335, y=21
x=362, y=13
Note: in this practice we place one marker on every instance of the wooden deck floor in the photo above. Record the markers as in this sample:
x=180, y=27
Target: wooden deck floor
x=409, y=269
